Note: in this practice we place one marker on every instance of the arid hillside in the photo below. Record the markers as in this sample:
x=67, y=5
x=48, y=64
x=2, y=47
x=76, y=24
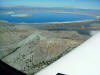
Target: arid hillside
x=30, y=49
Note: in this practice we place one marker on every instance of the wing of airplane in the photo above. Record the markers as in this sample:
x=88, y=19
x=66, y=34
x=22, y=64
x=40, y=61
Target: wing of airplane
x=83, y=60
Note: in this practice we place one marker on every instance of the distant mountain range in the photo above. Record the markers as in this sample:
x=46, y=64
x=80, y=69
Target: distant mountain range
x=61, y=9
x=46, y=8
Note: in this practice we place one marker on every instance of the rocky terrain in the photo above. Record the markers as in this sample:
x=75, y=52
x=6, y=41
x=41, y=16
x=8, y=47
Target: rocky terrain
x=29, y=49
x=36, y=51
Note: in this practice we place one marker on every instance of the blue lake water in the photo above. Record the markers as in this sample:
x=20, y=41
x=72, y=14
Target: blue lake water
x=41, y=17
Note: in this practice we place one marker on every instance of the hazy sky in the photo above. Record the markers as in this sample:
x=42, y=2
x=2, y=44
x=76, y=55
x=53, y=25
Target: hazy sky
x=85, y=4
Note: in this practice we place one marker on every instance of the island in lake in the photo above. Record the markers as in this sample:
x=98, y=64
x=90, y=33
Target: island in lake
x=21, y=15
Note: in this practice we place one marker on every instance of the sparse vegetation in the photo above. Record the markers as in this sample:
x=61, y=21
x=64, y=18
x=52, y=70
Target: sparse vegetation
x=35, y=46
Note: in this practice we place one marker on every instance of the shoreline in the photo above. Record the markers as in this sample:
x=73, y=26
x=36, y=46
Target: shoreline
x=73, y=12
x=79, y=21
x=81, y=13
x=25, y=15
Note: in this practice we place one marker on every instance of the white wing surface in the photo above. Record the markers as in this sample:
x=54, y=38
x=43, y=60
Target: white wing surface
x=83, y=60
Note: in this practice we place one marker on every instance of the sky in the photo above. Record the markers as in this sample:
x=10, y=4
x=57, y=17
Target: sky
x=83, y=4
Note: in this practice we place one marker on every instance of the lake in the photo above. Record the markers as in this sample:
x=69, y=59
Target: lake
x=41, y=17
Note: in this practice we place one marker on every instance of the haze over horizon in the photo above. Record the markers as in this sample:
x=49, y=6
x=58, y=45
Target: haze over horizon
x=83, y=4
